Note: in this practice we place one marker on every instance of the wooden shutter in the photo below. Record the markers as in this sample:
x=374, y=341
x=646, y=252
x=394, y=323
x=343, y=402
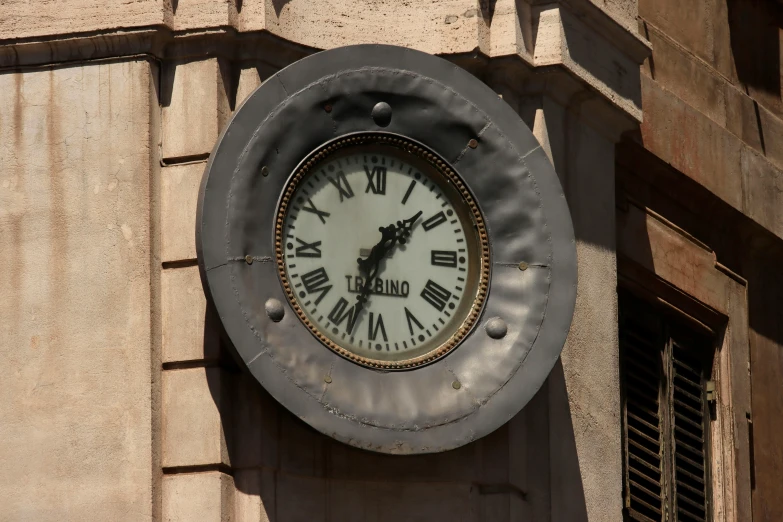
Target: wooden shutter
x=665, y=417
x=689, y=417
x=640, y=348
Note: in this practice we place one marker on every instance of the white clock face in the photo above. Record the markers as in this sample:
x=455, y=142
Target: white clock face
x=381, y=253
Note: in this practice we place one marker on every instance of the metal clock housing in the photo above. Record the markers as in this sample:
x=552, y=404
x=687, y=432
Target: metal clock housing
x=513, y=332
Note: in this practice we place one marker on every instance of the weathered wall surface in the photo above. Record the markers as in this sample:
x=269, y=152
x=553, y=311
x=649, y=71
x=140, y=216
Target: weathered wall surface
x=75, y=409
x=713, y=111
x=100, y=166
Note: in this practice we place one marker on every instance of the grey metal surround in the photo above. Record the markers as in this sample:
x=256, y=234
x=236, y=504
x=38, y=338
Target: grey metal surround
x=494, y=371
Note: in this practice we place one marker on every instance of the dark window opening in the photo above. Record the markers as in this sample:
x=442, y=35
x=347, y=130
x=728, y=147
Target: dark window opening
x=665, y=365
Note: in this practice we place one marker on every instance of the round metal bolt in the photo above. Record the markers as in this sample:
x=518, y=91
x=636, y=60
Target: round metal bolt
x=249, y=259
x=456, y=385
x=472, y=144
x=496, y=328
x=523, y=265
x=264, y=171
x=327, y=379
x=274, y=309
x=381, y=114
x=328, y=107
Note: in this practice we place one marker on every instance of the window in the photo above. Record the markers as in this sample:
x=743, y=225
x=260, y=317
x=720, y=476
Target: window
x=665, y=367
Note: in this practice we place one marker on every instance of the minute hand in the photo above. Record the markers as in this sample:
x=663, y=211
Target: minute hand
x=370, y=266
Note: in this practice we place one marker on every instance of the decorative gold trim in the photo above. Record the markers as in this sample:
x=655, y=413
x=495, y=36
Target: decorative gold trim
x=412, y=148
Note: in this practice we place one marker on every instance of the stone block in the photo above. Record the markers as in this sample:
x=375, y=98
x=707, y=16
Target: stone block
x=252, y=16
x=300, y=499
x=254, y=499
x=674, y=257
x=763, y=191
x=249, y=80
x=688, y=78
x=191, y=96
x=436, y=26
x=688, y=23
x=741, y=117
x=20, y=19
x=302, y=449
x=189, y=332
x=772, y=131
x=179, y=196
x=194, y=401
x=206, y=497
x=251, y=76
x=256, y=419
x=75, y=405
x=692, y=143
x=392, y=502
x=461, y=464
x=196, y=14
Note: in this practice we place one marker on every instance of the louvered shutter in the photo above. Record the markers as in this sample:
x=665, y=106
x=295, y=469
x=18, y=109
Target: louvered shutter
x=688, y=438
x=640, y=348
x=665, y=415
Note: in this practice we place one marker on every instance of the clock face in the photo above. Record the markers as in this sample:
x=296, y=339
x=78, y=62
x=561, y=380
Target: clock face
x=382, y=251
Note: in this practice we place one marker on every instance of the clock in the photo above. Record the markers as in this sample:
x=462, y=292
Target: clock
x=388, y=249
x=382, y=251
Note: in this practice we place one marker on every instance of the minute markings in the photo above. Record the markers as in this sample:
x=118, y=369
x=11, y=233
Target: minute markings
x=408, y=192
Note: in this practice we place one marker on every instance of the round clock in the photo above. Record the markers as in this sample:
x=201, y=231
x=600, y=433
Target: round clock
x=382, y=251
x=388, y=248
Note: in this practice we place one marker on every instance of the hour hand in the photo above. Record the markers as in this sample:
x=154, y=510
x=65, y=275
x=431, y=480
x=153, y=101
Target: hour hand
x=388, y=238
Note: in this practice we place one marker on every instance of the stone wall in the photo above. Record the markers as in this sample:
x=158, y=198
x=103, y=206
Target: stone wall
x=711, y=162
x=126, y=404
x=76, y=411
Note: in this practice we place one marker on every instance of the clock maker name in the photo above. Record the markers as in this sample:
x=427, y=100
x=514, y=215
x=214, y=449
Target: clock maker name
x=390, y=287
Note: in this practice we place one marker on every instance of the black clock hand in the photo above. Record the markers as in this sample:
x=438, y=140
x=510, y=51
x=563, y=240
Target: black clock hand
x=390, y=236
x=371, y=265
x=404, y=230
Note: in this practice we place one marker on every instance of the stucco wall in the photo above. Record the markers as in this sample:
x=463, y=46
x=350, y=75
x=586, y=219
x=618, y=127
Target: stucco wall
x=75, y=409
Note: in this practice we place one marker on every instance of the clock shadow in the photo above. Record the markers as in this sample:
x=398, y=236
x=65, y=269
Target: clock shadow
x=284, y=470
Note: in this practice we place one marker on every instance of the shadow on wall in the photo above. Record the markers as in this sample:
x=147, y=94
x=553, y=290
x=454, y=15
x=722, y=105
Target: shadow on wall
x=285, y=471
x=754, y=27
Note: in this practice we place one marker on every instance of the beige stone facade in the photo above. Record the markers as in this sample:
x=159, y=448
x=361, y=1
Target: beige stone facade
x=122, y=402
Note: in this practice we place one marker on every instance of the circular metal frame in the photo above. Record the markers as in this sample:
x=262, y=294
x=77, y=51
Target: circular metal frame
x=486, y=379
x=444, y=169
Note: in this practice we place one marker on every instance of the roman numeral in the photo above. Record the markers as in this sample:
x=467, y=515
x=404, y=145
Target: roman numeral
x=434, y=221
x=340, y=314
x=320, y=213
x=376, y=180
x=412, y=318
x=444, y=258
x=315, y=281
x=378, y=325
x=408, y=192
x=308, y=249
x=346, y=192
x=435, y=295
